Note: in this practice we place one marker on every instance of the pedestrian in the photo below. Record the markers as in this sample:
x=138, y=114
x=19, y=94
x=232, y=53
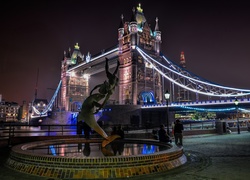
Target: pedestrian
x=120, y=131
x=114, y=130
x=79, y=128
x=162, y=134
x=86, y=130
x=118, y=146
x=178, y=128
x=155, y=134
x=172, y=133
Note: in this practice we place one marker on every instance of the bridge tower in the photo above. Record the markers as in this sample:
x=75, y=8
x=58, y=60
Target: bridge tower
x=138, y=82
x=74, y=84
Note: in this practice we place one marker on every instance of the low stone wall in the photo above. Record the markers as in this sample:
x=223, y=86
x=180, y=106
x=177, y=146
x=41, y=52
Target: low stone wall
x=109, y=167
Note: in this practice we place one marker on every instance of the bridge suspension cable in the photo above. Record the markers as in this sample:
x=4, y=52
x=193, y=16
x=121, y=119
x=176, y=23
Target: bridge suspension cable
x=48, y=107
x=189, y=81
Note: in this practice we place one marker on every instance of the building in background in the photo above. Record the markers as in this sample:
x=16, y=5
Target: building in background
x=23, y=111
x=9, y=111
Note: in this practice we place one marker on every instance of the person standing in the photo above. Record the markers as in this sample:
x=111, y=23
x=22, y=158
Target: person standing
x=79, y=128
x=114, y=130
x=120, y=131
x=86, y=130
x=178, y=128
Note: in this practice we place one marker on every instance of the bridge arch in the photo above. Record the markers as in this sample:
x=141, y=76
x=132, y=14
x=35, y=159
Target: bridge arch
x=76, y=106
x=147, y=97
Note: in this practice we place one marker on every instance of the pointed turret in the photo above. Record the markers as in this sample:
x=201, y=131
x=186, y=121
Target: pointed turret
x=156, y=24
x=88, y=57
x=121, y=28
x=77, y=56
x=140, y=18
x=64, y=55
x=133, y=22
x=133, y=29
x=133, y=18
x=69, y=53
x=157, y=34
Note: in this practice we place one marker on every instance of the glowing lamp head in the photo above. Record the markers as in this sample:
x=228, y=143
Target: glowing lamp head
x=167, y=95
x=236, y=102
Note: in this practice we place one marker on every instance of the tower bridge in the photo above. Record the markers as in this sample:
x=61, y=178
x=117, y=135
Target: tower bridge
x=144, y=72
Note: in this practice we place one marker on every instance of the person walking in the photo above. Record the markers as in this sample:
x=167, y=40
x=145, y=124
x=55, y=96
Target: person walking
x=178, y=128
x=114, y=130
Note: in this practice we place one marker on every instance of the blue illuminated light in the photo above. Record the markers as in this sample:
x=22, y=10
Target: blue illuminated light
x=148, y=149
x=52, y=149
x=208, y=109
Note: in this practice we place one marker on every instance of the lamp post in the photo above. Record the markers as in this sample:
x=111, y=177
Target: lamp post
x=167, y=96
x=236, y=102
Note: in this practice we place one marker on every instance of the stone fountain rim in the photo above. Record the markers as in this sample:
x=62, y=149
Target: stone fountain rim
x=22, y=148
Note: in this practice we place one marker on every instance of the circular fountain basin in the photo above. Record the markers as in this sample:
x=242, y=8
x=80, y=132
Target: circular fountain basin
x=78, y=158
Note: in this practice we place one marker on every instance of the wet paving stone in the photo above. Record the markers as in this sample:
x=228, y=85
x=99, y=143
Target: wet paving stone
x=210, y=157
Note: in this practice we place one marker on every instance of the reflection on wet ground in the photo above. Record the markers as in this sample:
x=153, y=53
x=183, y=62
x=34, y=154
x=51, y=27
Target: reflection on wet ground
x=83, y=150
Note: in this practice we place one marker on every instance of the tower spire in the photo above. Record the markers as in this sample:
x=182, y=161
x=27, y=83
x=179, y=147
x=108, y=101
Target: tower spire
x=182, y=60
x=121, y=23
x=156, y=24
x=133, y=19
x=139, y=9
x=121, y=28
x=37, y=76
x=157, y=35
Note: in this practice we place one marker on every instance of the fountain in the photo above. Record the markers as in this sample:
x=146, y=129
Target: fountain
x=74, y=158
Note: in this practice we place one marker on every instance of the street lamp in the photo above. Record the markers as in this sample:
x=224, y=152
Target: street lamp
x=236, y=102
x=167, y=96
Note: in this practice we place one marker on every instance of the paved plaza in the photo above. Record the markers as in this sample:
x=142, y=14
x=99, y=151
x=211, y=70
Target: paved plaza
x=210, y=157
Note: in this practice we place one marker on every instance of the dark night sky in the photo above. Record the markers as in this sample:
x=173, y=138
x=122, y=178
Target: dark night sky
x=214, y=34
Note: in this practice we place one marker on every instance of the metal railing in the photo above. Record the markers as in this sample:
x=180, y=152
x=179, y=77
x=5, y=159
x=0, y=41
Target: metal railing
x=199, y=125
x=8, y=130
x=11, y=130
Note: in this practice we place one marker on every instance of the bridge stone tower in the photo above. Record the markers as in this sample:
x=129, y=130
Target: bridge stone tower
x=74, y=85
x=138, y=82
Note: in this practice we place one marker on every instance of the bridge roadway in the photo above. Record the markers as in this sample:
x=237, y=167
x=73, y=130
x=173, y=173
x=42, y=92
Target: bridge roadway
x=210, y=157
x=243, y=102
x=97, y=63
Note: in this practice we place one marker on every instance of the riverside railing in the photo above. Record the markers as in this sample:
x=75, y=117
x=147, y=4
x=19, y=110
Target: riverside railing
x=197, y=125
x=11, y=130
x=14, y=130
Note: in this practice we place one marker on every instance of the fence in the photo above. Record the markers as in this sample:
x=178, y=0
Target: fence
x=13, y=129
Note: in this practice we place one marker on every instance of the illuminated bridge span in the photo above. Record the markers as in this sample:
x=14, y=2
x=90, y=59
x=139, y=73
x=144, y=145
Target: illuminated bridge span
x=168, y=70
x=210, y=105
x=144, y=72
x=173, y=73
x=41, y=109
x=189, y=81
